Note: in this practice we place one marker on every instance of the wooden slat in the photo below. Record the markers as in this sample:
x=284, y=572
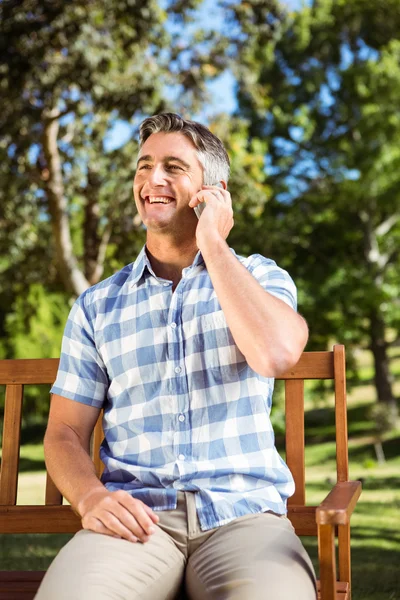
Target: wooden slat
x=342, y=455
x=19, y=585
x=312, y=365
x=11, y=442
x=52, y=497
x=11, y=594
x=31, y=370
x=303, y=519
x=21, y=576
x=294, y=402
x=344, y=553
x=342, y=590
x=97, y=438
x=16, y=585
x=327, y=562
x=339, y=504
x=38, y=519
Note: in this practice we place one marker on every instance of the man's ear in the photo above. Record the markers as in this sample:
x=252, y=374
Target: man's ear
x=222, y=184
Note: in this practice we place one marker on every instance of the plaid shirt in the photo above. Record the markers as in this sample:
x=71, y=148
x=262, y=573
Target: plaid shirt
x=182, y=408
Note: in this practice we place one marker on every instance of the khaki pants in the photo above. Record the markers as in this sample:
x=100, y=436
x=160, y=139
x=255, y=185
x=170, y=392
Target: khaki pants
x=255, y=557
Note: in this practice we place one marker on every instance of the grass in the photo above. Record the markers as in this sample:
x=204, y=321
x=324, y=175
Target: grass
x=375, y=522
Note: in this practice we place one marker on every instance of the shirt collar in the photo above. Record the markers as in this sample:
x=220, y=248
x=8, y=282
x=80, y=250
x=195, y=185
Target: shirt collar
x=142, y=263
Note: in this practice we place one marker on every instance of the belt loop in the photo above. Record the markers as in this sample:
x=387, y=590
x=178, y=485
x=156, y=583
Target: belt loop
x=193, y=528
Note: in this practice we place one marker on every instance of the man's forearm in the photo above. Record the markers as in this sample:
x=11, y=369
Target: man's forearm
x=269, y=333
x=70, y=466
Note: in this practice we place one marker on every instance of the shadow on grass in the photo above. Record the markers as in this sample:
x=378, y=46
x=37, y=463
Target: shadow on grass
x=375, y=572
x=32, y=465
x=33, y=433
x=364, y=451
x=379, y=483
x=391, y=449
x=30, y=552
x=320, y=422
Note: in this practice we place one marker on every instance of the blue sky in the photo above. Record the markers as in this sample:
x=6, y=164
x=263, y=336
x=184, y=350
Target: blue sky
x=221, y=89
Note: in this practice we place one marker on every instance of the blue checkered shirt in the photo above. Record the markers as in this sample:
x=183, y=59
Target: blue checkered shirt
x=182, y=408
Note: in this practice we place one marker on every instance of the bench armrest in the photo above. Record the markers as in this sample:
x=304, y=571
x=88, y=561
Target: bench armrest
x=339, y=504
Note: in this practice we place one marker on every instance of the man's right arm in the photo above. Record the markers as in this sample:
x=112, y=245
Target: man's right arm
x=66, y=444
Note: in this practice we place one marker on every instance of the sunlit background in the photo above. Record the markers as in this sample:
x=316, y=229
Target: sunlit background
x=305, y=96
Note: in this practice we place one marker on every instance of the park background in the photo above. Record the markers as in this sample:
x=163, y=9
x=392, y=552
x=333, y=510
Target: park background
x=306, y=98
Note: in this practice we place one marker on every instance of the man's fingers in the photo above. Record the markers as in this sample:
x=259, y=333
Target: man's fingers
x=123, y=516
x=153, y=516
x=139, y=511
x=139, y=523
x=108, y=526
x=221, y=193
x=123, y=524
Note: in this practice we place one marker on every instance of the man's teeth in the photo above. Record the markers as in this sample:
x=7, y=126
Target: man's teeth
x=161, y=199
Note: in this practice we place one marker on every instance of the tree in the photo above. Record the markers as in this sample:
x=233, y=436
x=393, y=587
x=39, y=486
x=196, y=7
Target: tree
x=69, y=72
x=322, y=86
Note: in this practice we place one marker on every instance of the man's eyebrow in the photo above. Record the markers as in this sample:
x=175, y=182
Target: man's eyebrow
x=149, y=158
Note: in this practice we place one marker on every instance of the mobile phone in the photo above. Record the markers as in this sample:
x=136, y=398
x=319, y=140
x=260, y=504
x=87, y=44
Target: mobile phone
x=200, y=207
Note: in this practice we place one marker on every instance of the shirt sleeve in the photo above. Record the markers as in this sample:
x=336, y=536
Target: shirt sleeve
x=273, y=279
x=81, y=375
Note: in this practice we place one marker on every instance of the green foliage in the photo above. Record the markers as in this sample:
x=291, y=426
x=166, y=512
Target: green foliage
x=36, y=323
x=324, y=98
x=33, y=329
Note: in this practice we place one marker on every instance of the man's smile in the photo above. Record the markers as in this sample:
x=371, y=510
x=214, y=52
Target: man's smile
x=159, y=199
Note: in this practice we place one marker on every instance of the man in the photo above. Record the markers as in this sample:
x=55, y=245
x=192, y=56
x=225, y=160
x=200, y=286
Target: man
x=180, y=349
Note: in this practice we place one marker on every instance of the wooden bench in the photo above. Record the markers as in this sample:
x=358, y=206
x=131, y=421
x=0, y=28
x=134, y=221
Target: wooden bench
x=328, y=521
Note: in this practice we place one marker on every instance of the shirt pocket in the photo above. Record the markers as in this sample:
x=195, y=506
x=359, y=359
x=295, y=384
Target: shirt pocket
x=220, y=354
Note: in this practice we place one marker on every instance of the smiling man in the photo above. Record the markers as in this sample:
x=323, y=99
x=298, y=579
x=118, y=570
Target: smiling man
x=179, y=349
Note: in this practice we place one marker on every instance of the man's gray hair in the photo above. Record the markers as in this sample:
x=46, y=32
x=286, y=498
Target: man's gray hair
x=209, y=148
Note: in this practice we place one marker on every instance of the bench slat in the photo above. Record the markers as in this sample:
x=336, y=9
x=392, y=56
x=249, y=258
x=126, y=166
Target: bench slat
x=28, y=370
x=52, y=496
x=294, y=399
x=16, y=585
x=312, y=365
x=38, y=519
x=62, y=519
x=11, y=442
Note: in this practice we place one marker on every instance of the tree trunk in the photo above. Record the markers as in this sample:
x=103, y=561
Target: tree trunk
x=382, y=376
x=91, y=239
x=95, y=245
x=71, y=275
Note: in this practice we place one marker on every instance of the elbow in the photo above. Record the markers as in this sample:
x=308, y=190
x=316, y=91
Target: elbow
x=274, y=366
x=285, y=361
x=275, y=362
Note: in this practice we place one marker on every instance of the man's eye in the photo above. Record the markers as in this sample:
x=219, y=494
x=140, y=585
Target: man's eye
x=144, y=167
x=174, y=167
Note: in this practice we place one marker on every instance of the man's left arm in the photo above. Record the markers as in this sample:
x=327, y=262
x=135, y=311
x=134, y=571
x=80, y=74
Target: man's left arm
x=268, y=332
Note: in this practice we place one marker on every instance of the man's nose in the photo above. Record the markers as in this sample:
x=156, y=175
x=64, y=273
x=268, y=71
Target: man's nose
x=157, y=175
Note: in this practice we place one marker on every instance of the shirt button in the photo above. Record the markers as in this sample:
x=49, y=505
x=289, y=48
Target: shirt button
x=181, y=417
x=181, y=457
x=178, y=369
x=165, y=284
x=173, y=325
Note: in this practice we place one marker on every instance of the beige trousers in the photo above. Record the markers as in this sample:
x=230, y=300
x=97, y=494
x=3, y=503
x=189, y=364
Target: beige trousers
x=255, y=557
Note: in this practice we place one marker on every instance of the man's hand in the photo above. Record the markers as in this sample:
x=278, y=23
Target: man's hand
x=217, y=218
x=117, y=514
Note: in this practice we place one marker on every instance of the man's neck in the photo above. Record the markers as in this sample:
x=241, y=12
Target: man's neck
x=168, y=258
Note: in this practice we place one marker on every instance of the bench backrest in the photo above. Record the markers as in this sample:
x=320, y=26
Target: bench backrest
x=53, y=517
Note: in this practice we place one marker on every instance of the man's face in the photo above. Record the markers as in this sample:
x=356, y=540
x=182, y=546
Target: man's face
x=168, y=174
